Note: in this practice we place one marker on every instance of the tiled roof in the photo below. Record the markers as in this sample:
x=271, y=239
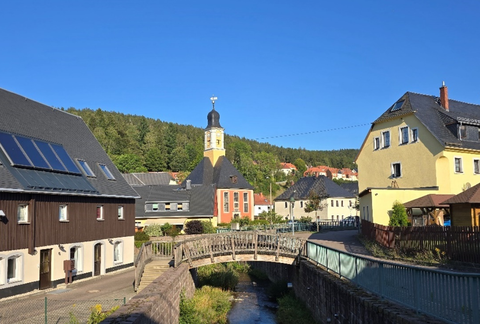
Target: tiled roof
x=286, y=165
x=28, y=118
x=431, y=200
x=321, y=185
x=470, y=196
x=150, y=178
x=435, y=118
x=260, y=199
x=223, y=175
x=351, y=187
x=200, y=199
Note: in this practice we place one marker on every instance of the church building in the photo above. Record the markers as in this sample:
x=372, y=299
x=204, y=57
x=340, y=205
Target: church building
x=233, y=198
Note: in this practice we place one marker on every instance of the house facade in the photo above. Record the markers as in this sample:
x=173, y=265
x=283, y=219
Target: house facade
x=288, y=168
x=233, y=198
x=61, y=199
x=421, y=145
x=337, y=204
x=332, y=173
x=262, y=204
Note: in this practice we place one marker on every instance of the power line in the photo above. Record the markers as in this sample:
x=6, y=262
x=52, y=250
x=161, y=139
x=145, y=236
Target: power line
x=313, y=132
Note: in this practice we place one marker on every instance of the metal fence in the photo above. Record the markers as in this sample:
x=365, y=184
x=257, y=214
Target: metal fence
x=449, y=296
x=39, y=311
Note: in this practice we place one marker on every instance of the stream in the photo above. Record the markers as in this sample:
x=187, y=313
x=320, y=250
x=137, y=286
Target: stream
x=251, y=304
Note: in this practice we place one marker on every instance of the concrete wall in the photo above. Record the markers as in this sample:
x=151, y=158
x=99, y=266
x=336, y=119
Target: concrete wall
x=332, y=300
x=159, y=302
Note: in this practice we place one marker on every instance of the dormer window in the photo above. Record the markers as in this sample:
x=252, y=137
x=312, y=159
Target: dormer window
x=397, y=106
x=233, y=179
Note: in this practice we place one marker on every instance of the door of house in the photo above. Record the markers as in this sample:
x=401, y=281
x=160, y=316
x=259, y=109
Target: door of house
x=98, y=259
x=45, y=269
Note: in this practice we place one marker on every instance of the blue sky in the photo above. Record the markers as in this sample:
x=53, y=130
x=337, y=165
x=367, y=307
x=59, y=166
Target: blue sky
x=313, y=68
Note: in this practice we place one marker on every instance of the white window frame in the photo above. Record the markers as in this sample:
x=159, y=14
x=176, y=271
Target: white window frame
x=245, y=202
x=78, y=257
x=101, y=218
x=63, y=213
x=3, y=277
x=476, y=166
x=22, y=214
x=414, y=138
x=393, y=169
x=384, y=145
x=403, y=138
x=118, y=252
x=18, y=277
x=226, y=198
x=120, y=211
x=236, y=201
x=376, y=143
x=460, y=165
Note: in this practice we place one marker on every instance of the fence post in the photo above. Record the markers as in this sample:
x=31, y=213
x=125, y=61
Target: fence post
x=339, y=265
x=46, y=316
x=380, y=279
x=473, y=285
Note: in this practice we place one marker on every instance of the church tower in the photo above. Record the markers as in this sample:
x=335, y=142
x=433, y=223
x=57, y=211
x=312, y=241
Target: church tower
x=214, y=137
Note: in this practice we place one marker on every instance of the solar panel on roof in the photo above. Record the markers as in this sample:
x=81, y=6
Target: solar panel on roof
x=50, y=156
x=13, y=151
x=67, y=161
x=30, y=149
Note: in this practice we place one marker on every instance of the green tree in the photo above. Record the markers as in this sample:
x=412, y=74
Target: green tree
x=271, y=217
x=314, y=204
x=129, y=163
x=155, y=160
x=301, y=167
x=399, y=215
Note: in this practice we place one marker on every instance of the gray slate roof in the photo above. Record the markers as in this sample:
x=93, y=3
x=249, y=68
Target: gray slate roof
x=221, y=175
x=321, y=185
x=148, y=179
x=23, y=116
x=436, y=119
x=200, y=199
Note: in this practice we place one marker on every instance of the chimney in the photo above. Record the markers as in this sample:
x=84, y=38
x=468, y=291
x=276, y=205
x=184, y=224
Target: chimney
x=189, y=185
x=444, y=96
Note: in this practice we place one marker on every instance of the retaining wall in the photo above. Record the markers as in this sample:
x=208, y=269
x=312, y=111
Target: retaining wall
x=334, y=300
x=159, y=302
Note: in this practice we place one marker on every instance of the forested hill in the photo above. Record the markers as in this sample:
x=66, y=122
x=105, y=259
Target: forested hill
x=138, y=144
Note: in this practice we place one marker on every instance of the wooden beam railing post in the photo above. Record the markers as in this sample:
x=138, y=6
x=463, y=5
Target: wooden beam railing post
x=255, y=245
x=277, y=254
x=232, y=239
x=211, y=243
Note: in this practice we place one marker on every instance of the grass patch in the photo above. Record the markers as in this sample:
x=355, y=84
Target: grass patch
x=425, y=257
x=293, y=311
x=220, y=275
x=208, y=305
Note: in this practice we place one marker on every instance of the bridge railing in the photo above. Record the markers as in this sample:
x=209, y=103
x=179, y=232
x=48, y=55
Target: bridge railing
x=232, y=243
x=449, y=296
x=143, y=256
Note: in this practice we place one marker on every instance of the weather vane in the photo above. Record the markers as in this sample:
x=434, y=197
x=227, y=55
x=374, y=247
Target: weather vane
x=213, y=99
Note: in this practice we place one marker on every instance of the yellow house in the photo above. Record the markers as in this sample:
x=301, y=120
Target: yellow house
x=421, y=145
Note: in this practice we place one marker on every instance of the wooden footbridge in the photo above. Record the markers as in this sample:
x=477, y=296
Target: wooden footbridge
x=223, y=247
x=239, y=246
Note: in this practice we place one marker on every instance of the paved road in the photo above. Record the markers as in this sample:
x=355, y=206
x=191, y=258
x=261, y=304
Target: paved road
x=76, y=299
x=340, y=240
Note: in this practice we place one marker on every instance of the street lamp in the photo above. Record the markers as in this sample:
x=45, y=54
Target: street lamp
x=292, y=204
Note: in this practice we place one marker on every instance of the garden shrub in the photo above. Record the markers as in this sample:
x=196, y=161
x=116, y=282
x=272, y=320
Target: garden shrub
x=141, y=236
x=153, y=230
x=208, y=305
x=208, y=227
x=194, y=227
x=399, y=215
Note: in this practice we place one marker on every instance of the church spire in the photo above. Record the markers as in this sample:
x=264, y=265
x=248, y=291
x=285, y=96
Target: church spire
x=214, y=137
